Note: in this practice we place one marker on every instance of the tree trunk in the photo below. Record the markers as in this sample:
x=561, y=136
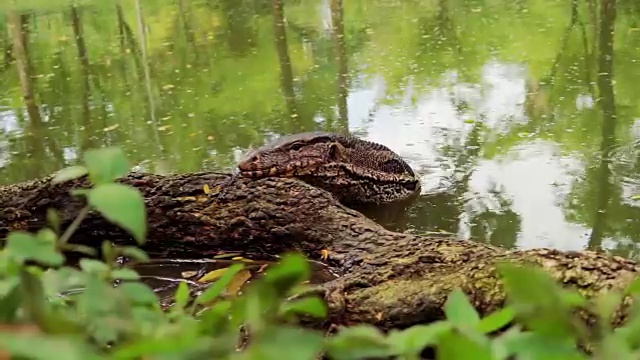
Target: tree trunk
x=386, y=278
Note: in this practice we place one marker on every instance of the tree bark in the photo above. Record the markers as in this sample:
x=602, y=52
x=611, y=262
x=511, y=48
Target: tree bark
x=386, y=278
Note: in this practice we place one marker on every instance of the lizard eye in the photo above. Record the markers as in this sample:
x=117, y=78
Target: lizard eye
x=296, y=146
x=337, y=152
x=333, y=151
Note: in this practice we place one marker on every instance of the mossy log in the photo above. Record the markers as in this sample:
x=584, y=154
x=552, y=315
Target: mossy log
x=389, y=279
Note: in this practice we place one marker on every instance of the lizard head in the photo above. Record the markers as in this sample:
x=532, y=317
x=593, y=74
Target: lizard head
x=299, y=154
x=349, y=167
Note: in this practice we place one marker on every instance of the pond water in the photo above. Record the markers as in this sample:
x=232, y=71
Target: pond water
x=521, y=116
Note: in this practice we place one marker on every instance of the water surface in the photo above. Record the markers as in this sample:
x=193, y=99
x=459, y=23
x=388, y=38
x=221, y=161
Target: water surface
x=521, y=117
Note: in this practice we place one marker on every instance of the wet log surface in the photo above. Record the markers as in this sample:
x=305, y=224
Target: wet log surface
x=387, y=278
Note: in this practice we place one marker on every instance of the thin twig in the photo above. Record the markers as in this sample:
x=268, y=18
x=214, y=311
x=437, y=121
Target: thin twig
x=74, y=225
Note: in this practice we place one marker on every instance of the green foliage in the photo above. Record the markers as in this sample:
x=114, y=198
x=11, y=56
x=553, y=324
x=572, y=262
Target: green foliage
x=122, y=205
x=118, y=203
x=123, y=319
x=106, y=164
x=24, y=246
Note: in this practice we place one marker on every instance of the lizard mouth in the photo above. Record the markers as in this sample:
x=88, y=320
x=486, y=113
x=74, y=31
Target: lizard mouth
x=260, y=173
x=293, y=168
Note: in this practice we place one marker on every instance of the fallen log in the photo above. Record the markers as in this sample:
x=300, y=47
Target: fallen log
x=388, y=279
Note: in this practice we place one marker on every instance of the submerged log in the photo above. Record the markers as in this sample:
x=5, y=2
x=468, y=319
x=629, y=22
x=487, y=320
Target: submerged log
x=388, y=279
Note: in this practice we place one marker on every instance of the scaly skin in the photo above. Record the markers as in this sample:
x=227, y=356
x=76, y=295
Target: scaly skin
x=356, y=171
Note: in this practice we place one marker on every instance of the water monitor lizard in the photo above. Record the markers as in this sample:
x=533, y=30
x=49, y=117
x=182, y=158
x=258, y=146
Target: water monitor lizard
x=356, y=171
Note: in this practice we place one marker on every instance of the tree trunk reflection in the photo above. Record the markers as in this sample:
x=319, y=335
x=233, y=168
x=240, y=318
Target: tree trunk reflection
x=340, y=49
x=34, y=134
x=286, y=72
x=608, y=108
x=78, y=34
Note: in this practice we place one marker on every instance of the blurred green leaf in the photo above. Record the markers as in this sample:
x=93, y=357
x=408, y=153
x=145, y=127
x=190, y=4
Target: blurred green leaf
x=615, y=347
x=33, y=297
x=182, y=295
x=290, y=271
x=47, y=347
x=413, y=340
x=108, y=252
x=572, y=298
x=139, y=293
x=529, y=286
x=123, y=206
x=10, y=298
x=97, y=299
x=312, y=306
x=69, y=173
x=26, y=246
x=538, y=301
x=56, y=281
x=359, y=342
x=530, y=345
x=94, y=266
x=633, y=287
x=53, y=218
x=106, y=164
x=134, y=253
x=125, y=274
x=38, y=310
x=83, y=249
x=606, y=304
x=216, y=289
x=300, y=343
x=459, y=310
x=9, y=265
x=156, y=321
x=459, y=345
x=47, y=236
x=214, y=320
x=256, y=308
x=104, y=332
x=496, y=320
x=80, y=192
x=630, y=331
x=151, y=347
